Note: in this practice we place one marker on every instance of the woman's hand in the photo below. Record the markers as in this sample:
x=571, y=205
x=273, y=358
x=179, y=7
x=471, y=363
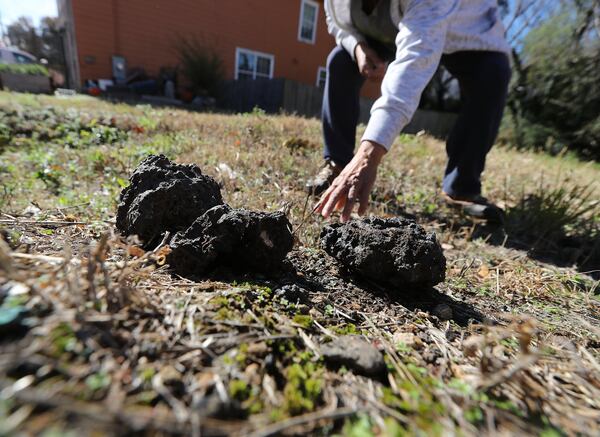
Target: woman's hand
x=354, y=184
x=369, y=63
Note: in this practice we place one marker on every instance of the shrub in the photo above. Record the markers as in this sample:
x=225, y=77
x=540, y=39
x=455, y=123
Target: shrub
x=555, y=100
x=201, y=66
x=30, y=69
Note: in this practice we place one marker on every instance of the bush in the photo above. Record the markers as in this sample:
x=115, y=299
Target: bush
x=555, y=102
x=30, y=69
x=201, y=66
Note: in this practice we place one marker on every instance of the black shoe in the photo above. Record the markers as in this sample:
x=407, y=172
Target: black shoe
x=324, y=178
x=477, y=207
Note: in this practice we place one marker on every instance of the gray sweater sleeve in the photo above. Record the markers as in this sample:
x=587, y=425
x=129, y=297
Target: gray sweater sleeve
x=347, y=38
x=420, y=44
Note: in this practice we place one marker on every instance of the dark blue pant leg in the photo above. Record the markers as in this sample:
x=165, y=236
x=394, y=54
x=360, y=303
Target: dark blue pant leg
x=483, y=78
x=341, y=106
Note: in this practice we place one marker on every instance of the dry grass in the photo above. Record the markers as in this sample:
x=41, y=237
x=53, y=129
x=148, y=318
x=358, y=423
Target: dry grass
x=105, y=340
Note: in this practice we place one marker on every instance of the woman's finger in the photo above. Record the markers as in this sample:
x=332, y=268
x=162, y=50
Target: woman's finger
x=363, y=201
x=349, y=205
x=333, y=200
x=321, y=203
x=325, y=196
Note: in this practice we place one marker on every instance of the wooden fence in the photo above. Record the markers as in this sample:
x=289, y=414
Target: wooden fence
x=288, y=96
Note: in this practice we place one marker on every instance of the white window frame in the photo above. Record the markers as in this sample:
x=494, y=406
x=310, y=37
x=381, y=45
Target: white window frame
x=319, y=71
x=239, y=50
x=313, y=39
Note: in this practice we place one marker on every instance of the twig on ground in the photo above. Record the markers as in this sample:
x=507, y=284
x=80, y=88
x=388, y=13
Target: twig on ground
x=279, y=427
x=58, y=223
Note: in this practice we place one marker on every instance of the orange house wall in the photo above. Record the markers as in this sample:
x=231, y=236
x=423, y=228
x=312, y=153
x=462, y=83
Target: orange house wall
x=145, y=31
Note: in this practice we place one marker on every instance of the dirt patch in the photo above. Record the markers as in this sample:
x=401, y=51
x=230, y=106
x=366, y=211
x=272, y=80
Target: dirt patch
x=396, y=251
x=164, y=197
x=237, y=238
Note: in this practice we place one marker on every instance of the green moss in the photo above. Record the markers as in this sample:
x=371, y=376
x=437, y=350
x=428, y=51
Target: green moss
x=239, y=390
x=247, y=395
x=284, y=348
x=303, y=320
x=97, y=382
x=302, y=391
x=360, y=426
x=224, y=314
x=474, y=415
x=219, y=301
x=277, y=415
x=347, y=329
x=147, y=374
x=242, y=355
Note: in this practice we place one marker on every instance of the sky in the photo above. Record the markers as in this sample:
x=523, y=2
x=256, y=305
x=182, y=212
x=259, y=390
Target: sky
x=10, y=10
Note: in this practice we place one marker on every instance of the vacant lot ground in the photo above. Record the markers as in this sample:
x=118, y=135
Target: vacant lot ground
x=96, y=337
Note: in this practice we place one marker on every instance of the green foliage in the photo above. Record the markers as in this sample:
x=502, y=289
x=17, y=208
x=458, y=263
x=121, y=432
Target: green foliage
x=29, y=69
x=44, y=41
x=201, y=66
x=555, y=100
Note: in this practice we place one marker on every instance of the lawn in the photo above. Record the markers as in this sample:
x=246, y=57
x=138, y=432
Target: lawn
x=97, y=337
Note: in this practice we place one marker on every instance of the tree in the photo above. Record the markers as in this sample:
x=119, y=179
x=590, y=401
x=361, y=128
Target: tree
x=44, y=42
x=51, y=36
x=23, y=34
x=555, y=98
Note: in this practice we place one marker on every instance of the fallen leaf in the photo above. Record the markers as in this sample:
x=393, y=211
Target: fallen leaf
x=483, y=272
x=135, y=251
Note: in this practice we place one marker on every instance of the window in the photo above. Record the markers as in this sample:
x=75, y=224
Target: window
x=22, y=59
x=321, y=77
x=309, y=11
x=252, y=65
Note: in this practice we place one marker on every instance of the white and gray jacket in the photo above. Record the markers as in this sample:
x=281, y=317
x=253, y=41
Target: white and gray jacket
x=426, y=29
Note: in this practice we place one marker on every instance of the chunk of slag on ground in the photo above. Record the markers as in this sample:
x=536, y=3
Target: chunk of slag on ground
x=355, y=353
x=164, y=197
x=395, y=252
x=237, y=238
x=205, y=233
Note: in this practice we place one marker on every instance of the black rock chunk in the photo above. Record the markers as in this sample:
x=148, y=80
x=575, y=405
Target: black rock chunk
x=164, y=196
x=292, y=293
x=356, y=354
x=237, y=238
x=396, y=252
